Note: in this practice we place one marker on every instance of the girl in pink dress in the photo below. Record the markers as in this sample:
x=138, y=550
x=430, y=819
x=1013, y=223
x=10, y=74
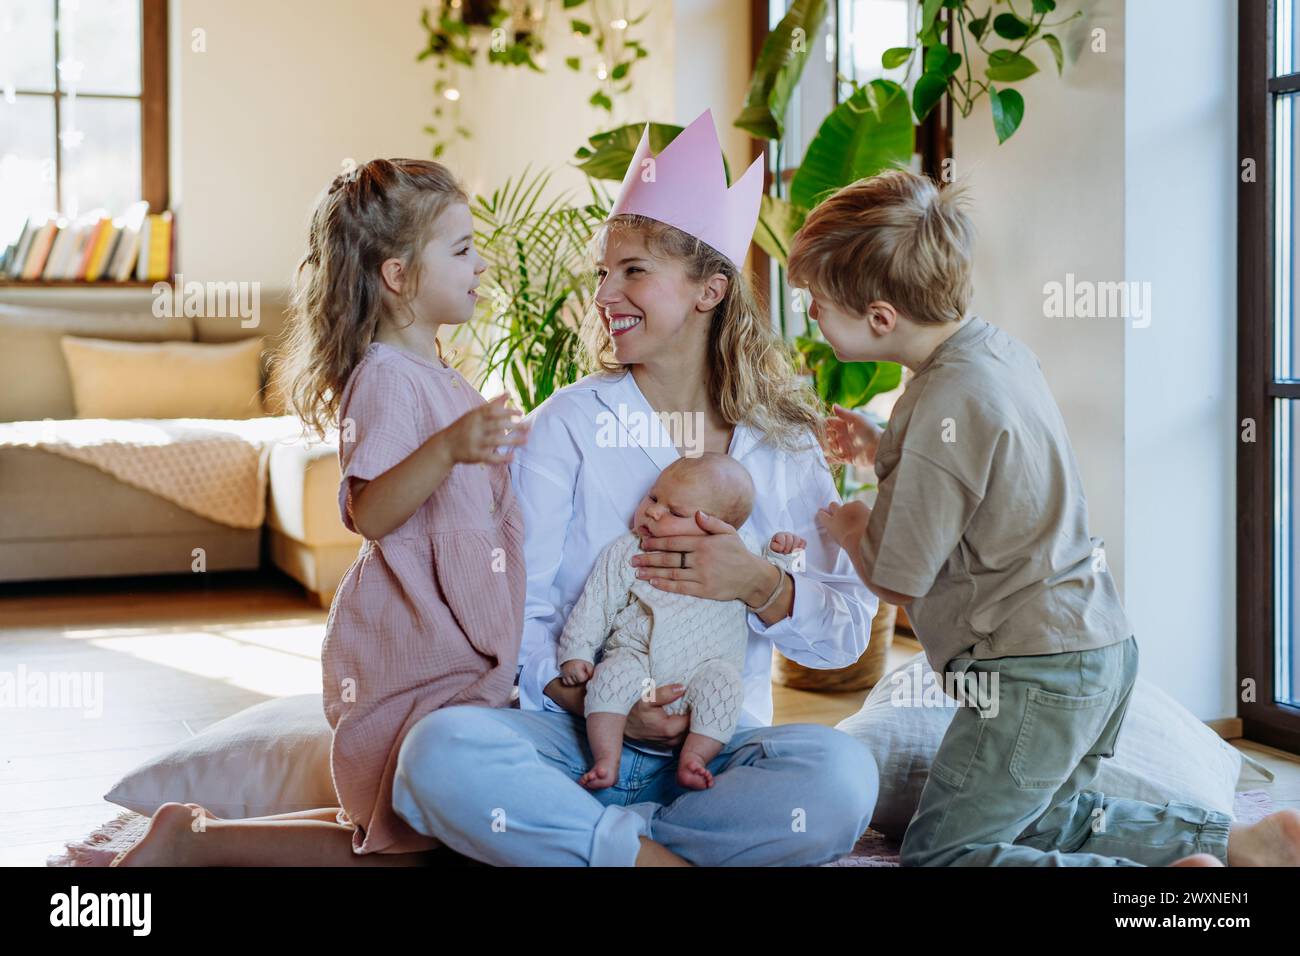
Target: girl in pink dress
x=431, y=612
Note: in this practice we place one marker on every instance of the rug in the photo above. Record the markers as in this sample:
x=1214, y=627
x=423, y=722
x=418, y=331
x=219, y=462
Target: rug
x=872, y=849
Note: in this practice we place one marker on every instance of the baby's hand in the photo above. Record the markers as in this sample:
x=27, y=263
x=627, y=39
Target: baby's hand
x=573, y=673
x=786, y=542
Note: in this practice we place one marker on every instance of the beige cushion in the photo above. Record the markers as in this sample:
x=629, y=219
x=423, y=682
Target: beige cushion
x=272, y=758
x=164, y=380
x=1163, y=752
x=32, y=367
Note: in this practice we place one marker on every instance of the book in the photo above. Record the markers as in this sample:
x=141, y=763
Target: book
x=128, y=247
x=98, y=255
x=40, y=250
x=142, y=257
x=59, y=252
x=158, y=252
x=20, y=256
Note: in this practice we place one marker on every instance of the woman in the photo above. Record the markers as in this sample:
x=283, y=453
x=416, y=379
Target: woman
x=674, y=330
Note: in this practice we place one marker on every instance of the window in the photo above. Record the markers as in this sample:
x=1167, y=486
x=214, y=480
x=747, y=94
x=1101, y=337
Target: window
x=857, y=32
x=83, y=114
x=1268, y=466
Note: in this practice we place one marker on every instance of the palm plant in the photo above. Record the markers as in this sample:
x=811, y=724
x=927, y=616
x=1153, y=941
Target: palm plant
x=537, y=286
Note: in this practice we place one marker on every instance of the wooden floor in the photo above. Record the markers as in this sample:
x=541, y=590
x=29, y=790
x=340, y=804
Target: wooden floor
x=173, y=656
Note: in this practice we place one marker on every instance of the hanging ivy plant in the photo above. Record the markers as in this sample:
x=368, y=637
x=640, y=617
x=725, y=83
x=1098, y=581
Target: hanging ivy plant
x=454, y=36
x=944, y=70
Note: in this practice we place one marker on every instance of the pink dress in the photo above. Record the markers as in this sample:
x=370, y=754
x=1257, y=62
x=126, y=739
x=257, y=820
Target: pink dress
x=431, y=614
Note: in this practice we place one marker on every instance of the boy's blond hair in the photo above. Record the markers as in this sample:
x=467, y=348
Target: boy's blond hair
x=894, y=237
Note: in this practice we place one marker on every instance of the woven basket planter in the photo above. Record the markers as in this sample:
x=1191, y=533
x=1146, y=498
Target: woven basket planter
x=866, y=673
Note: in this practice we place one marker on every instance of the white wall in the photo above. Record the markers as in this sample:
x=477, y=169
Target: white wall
x=1120, y=174
x=287, y=90
x=1180, y=372
x=1050, y=201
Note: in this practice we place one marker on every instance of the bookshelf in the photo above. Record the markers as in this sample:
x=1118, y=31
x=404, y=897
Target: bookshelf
x=79, y=283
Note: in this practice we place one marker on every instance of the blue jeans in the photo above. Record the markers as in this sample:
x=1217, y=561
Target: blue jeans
x=500, y=785
x=1011, y=788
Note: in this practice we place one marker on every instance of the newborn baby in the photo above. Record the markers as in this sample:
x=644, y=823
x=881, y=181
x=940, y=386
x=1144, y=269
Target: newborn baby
x=653, y=637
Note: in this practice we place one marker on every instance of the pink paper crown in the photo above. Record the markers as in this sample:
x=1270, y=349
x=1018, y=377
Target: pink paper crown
x=687, y=188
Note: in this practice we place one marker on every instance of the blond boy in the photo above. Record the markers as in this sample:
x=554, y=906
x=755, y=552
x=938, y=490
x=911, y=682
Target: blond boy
x=980, y=528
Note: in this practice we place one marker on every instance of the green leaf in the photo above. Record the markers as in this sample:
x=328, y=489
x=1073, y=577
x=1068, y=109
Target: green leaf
x=941, y=61
x=580, y=26
x=600, y=99
x=852, y=143
x=929, y=12
x=1008, y=111
x=573, y=63
x=780, y=64
x=1057, y=54
x=895, y=57
x=927, y=93
x=1010, y=27
x=570, y=4
x=979, y=25
x=1006, y=66
x=1044, y=6
x=778, y=221
x=611, y=152
x=619, y=71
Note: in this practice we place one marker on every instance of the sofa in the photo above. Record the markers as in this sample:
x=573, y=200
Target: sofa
x=63, y=518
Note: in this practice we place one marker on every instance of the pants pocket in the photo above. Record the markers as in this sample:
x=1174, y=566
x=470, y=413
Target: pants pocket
x=1057, y=731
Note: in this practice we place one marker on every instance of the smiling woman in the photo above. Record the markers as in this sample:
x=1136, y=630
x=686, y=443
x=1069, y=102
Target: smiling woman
x=674, y=330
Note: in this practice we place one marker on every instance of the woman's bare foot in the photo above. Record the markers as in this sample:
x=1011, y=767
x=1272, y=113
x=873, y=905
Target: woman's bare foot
x=1198, y=859
x=163, y=844
x=1273, y=841
x=603, y=774
x=692, y=773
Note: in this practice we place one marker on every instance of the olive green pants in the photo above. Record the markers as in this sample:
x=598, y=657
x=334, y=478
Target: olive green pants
x=1009, y=784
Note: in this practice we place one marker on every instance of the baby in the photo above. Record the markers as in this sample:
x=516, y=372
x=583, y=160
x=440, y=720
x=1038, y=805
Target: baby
x=653, y=637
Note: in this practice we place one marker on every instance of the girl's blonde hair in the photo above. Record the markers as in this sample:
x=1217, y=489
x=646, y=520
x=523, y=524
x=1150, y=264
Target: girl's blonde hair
x=752, y=371
x=383, y=210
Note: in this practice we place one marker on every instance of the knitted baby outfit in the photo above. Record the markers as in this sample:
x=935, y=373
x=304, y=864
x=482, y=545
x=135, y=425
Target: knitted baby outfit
x=658, y=637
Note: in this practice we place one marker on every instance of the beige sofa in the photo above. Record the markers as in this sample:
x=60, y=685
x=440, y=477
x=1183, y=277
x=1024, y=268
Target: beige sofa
x=61, y=518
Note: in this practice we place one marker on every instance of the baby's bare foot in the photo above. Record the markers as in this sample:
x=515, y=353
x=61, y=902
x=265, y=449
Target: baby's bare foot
x=1273, y=841
x=600, y=776
x=693, y=774
x=164, y=842
x=1198, y=859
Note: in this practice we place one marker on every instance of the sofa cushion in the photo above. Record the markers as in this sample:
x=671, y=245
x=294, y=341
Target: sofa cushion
x=165, y=379
x=37, y=383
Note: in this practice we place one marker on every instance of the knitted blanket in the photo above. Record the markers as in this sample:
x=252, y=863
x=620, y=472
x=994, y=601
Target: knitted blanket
x=215, y=468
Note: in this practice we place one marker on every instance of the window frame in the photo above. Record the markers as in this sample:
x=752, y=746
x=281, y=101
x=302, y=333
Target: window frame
x=154, y=167
x=934, y=140
x=1263, y=719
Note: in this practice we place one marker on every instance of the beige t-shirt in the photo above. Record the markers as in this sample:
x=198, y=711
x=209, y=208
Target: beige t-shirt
x=980, y=513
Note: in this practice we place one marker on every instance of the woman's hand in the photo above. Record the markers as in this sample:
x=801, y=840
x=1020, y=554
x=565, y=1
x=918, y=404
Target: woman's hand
x=718, y=565
x=476, y=436
x=648, y=723
x=846, y=523
x=852, y=437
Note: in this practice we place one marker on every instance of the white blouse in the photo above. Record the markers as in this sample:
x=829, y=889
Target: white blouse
x=594, y=450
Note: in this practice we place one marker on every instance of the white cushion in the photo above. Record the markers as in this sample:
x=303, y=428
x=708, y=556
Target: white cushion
x=272, y=758
x=1163, y=753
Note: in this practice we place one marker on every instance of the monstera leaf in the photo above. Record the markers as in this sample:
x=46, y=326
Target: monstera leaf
x=869, y=132
x=780, y=64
